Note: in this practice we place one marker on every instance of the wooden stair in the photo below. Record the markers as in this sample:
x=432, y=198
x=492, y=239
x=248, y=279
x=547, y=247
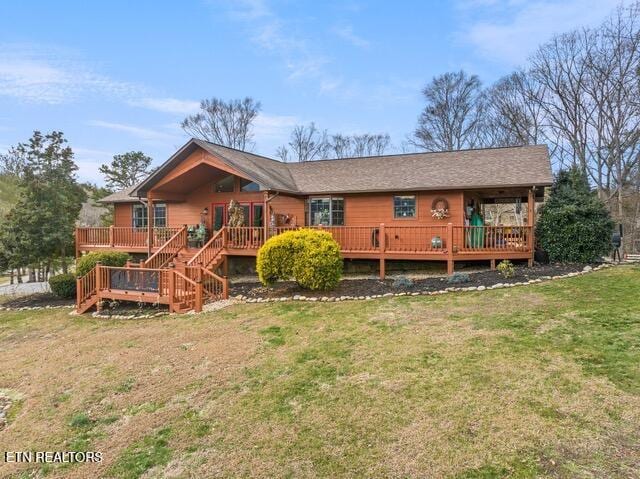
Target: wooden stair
x=87, y=304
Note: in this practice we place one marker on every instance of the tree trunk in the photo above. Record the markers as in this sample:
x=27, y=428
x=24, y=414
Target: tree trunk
x=63, y=261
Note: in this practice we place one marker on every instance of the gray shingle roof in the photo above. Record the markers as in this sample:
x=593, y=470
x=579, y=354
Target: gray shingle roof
x=481, y=168
x=122, y=196
x=464, y=169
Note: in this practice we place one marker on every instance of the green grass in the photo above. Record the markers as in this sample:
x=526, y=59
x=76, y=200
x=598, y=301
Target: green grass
x=538, y=381
x=141, y=456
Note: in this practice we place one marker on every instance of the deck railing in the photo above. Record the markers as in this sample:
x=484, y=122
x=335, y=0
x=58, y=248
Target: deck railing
x=492, y=238
x=122, y=237
x=405, y=240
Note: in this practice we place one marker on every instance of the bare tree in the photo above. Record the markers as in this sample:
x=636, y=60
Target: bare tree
x=513, y=114
x=308, y=143
x=227, y=123
x=451, y=119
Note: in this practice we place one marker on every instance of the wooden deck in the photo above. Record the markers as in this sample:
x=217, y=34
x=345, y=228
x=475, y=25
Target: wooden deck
x=448, y=242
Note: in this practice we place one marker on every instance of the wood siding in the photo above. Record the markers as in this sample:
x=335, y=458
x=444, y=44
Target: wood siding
x=368, y=209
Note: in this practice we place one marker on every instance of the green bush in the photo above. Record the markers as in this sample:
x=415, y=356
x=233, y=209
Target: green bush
x=86, y=263
x=574, y=224
x=311, y=257
x=63, y=285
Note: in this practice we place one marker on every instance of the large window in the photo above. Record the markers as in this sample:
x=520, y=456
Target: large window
x=246, y=185
x=404, y=206
x=225, y=185
x=140, y=216
x=326, y=211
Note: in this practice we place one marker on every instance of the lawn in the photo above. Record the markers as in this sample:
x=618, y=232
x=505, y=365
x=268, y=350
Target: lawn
x=537, y=381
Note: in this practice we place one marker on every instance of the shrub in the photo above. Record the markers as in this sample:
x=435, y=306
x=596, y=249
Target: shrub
x=506, y=269
x=459, y=278
x=86, y=263
x=63, y=285
x=402, y=282
x=311, y=257
x=574, y=224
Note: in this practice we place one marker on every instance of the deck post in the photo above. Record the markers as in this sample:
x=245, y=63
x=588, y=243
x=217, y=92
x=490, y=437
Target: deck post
x=198, y=305
x=77, y=294
x=382, y=246
x=172, y=288
x=111, y=242
x=225, y=266
x=493, y=264
x=150, y=220
x=98, y=285
x=225, y=288
x=449, y=249
x=531, y=213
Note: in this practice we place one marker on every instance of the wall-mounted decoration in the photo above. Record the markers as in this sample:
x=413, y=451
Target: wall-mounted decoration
x=440, y=208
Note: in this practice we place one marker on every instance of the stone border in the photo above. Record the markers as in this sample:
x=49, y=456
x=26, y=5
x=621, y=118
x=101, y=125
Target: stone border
x=332, y=299
x=36, y=308
x=326, y=299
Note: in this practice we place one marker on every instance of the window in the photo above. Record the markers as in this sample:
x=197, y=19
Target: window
x=160, y=215
x=246, y=185
x=139, y=215
x=404, y=206
x=246, y=211
x=225, y=185
x=257, y=215
x=326, y=211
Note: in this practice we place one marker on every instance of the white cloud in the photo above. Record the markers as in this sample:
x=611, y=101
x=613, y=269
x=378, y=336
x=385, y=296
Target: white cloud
x=45, y=75
x=509, y=32
x=273, y=127
x=142, y=133
x=346, y=33
x=168, y=105
x=299, y=55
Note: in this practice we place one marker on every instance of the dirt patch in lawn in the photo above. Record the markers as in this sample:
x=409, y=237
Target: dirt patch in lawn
x=368, y=287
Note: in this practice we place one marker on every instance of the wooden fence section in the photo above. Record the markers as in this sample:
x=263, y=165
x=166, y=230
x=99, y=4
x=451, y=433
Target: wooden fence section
x=180, y=291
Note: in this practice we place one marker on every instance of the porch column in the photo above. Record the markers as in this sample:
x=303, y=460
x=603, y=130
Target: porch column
x=149, y=223
x=265, y=215
x=531, y=221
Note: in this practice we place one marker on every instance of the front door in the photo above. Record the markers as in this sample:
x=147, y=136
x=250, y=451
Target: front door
x=219, y=216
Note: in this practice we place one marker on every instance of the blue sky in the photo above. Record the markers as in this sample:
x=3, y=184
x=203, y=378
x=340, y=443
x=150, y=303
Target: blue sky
x=120, y=75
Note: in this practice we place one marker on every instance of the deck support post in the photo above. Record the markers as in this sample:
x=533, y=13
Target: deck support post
x=98, y=285
x=449, y=249
x=198, y=305
x=225, y=266
x=150, y=219
x=531, y=220
x=493, y=264
x=225, y=288
x=382, y=245
x=172, y=289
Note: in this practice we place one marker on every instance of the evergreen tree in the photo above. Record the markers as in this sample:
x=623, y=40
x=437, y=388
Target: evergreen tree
x=40, y=226
x=574, y=225
x=126, y=170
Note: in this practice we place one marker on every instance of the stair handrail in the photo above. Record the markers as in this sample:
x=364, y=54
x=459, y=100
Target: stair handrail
x=218, y=239
x=85, y=287
x=223, y=281
x=196, y=302
x=151, y=260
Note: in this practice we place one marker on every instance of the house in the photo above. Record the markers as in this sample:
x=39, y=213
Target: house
x=415, y=206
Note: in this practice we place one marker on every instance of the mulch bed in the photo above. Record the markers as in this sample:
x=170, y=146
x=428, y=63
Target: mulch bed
x=369, y=287
x=36, y=300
